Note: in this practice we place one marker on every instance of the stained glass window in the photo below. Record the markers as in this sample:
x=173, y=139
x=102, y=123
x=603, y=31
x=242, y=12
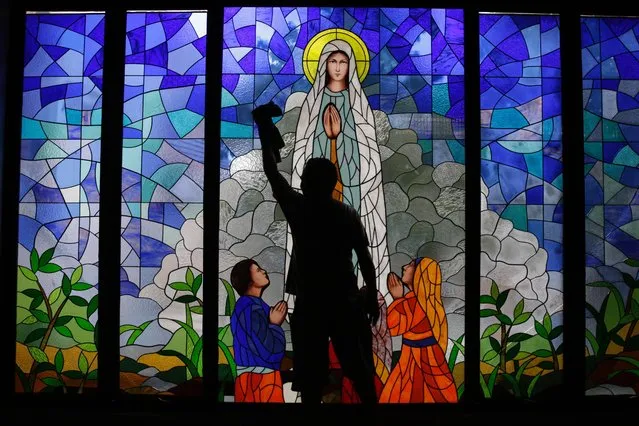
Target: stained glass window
x=58, y=203
x=162, y=194
x=611, y=133
x=406, y=86
x=521, y=219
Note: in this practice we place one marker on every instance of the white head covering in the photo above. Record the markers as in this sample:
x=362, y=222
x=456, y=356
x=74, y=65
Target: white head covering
x=370, y=162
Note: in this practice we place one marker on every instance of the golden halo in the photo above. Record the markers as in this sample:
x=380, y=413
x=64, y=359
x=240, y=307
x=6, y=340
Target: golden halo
x=314, y=48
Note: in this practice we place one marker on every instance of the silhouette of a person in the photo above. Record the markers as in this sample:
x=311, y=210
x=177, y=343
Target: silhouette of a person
x=325, y=233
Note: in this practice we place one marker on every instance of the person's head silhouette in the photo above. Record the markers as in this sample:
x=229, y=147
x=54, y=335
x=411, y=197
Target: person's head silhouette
x=319, y=178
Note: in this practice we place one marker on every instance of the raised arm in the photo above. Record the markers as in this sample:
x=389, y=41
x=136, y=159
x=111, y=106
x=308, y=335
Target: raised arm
x=267, y=131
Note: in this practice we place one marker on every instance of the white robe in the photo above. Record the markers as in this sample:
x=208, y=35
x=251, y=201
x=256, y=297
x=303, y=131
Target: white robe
x=371, y=206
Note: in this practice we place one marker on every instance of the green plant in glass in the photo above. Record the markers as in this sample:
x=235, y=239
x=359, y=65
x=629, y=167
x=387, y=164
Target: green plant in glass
x=62, y=315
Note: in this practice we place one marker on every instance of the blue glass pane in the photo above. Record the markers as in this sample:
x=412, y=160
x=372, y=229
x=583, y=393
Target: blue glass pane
x=522, y=245
x=59, y=197
x=162, y=189
x=610, y=70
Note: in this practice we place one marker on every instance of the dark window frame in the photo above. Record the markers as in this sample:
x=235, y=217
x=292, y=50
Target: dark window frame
x=109, y=395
